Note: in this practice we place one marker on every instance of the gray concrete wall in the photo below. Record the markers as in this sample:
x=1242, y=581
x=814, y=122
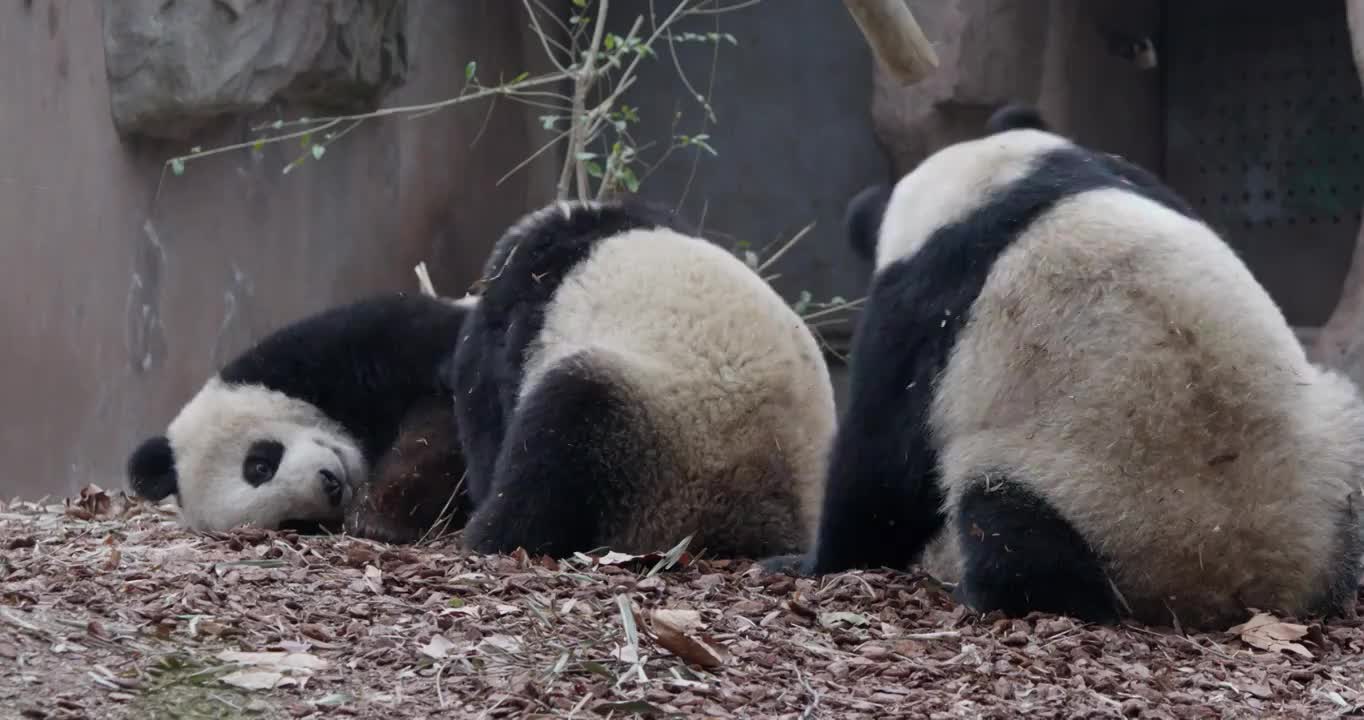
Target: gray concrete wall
x=124, y=290
x=794, y=134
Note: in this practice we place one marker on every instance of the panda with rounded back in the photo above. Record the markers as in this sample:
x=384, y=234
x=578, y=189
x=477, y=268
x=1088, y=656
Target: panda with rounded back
x=1062, y=369
x=624, y=383
x=340, y=420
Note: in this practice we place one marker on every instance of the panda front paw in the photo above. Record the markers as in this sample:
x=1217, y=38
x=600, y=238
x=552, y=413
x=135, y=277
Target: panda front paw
x=793, y=564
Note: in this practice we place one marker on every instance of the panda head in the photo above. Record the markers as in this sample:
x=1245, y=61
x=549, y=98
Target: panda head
x=885, y=223
x=247, y=455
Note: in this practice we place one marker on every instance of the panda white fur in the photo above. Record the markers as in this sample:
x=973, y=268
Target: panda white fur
x=340, y=419
x=623, y=384
x=1061, y=367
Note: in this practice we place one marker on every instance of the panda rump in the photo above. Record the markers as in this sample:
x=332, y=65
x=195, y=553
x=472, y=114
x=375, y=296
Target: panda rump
x=623, y=383
x=1063, y=370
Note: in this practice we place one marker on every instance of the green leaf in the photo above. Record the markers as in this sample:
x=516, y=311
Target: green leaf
x=456, y=602
x=580, y=3
x=594, y=169
x=258, y=145
x=584, y=156
x=469, y=69
x=547, y=121
x=520, y=77
x=318, y=150
x=178, y=166
x=627, y=176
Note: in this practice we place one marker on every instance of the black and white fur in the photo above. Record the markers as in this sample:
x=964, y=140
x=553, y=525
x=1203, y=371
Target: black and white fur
x=623, y=384
x=1060, y=367
x=338, y=419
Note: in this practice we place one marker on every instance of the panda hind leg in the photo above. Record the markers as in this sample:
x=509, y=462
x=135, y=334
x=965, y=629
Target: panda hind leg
x=1020, y=555
x=572, y=450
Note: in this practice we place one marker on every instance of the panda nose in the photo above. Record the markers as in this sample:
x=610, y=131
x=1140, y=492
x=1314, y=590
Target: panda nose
x=331, y=485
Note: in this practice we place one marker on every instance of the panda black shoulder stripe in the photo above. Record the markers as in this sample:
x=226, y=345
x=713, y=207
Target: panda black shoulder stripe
x=535, y=256
x=529, y=262
x=1146, y=184
x=916, y=308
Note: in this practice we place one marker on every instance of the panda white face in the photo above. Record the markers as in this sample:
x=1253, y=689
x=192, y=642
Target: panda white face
x=247, y=455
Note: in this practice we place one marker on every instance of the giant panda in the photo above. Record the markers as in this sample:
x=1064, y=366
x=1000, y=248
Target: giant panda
x=340, y=420
x=624, y=383
x=1066, y=372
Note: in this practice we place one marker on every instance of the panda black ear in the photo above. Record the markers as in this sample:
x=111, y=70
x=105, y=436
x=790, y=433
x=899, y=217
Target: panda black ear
x=1015, y=117
x=151, y=469
x=862, y=220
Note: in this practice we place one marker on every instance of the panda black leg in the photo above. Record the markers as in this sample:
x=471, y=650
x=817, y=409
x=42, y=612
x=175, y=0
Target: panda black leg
x=1019, y=555
x=562, y=469
x=417, y=487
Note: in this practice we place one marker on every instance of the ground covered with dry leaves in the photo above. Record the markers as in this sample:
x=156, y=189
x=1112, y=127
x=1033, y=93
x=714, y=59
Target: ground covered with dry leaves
x=109, y=610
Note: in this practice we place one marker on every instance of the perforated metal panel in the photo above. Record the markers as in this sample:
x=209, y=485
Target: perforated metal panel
x=1263, y=135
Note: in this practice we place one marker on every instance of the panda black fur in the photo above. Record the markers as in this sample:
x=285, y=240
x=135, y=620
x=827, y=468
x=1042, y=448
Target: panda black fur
x=340, y=419
x=1060, y=367
x=621, y=383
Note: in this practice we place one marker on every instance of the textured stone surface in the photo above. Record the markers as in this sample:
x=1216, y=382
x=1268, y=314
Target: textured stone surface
x=174, y=65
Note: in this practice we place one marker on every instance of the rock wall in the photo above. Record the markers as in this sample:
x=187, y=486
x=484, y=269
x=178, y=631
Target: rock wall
x=173, y=67
x=126, y=286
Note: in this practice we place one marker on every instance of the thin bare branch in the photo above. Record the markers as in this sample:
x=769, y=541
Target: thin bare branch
x=784, y=248
x=582, y=83
x=545, y=39
x=532, y=157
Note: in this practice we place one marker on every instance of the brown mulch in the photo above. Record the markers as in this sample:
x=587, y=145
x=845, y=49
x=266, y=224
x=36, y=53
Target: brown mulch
x=109, y=610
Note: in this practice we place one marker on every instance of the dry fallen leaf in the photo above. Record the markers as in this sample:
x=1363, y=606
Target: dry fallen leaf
x=1267, y=632
x=374, y=579
x=676, y=632
x=615, y=558
x=831, y=619
x=269, y=670
x=92, y=502
x=505, y=643
x=436, y=648
x=681, y=620
x=281, y=661
x=256, y=679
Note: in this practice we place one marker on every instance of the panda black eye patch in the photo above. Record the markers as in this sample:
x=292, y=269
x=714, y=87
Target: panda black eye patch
x=262, y=460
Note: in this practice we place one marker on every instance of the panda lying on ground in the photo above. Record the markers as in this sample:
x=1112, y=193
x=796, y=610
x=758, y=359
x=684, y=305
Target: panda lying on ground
x=621, y=383
x=1063, y=368
x=340, y=418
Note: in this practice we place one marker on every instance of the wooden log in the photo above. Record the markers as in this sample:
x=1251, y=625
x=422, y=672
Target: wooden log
x=895, y=38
